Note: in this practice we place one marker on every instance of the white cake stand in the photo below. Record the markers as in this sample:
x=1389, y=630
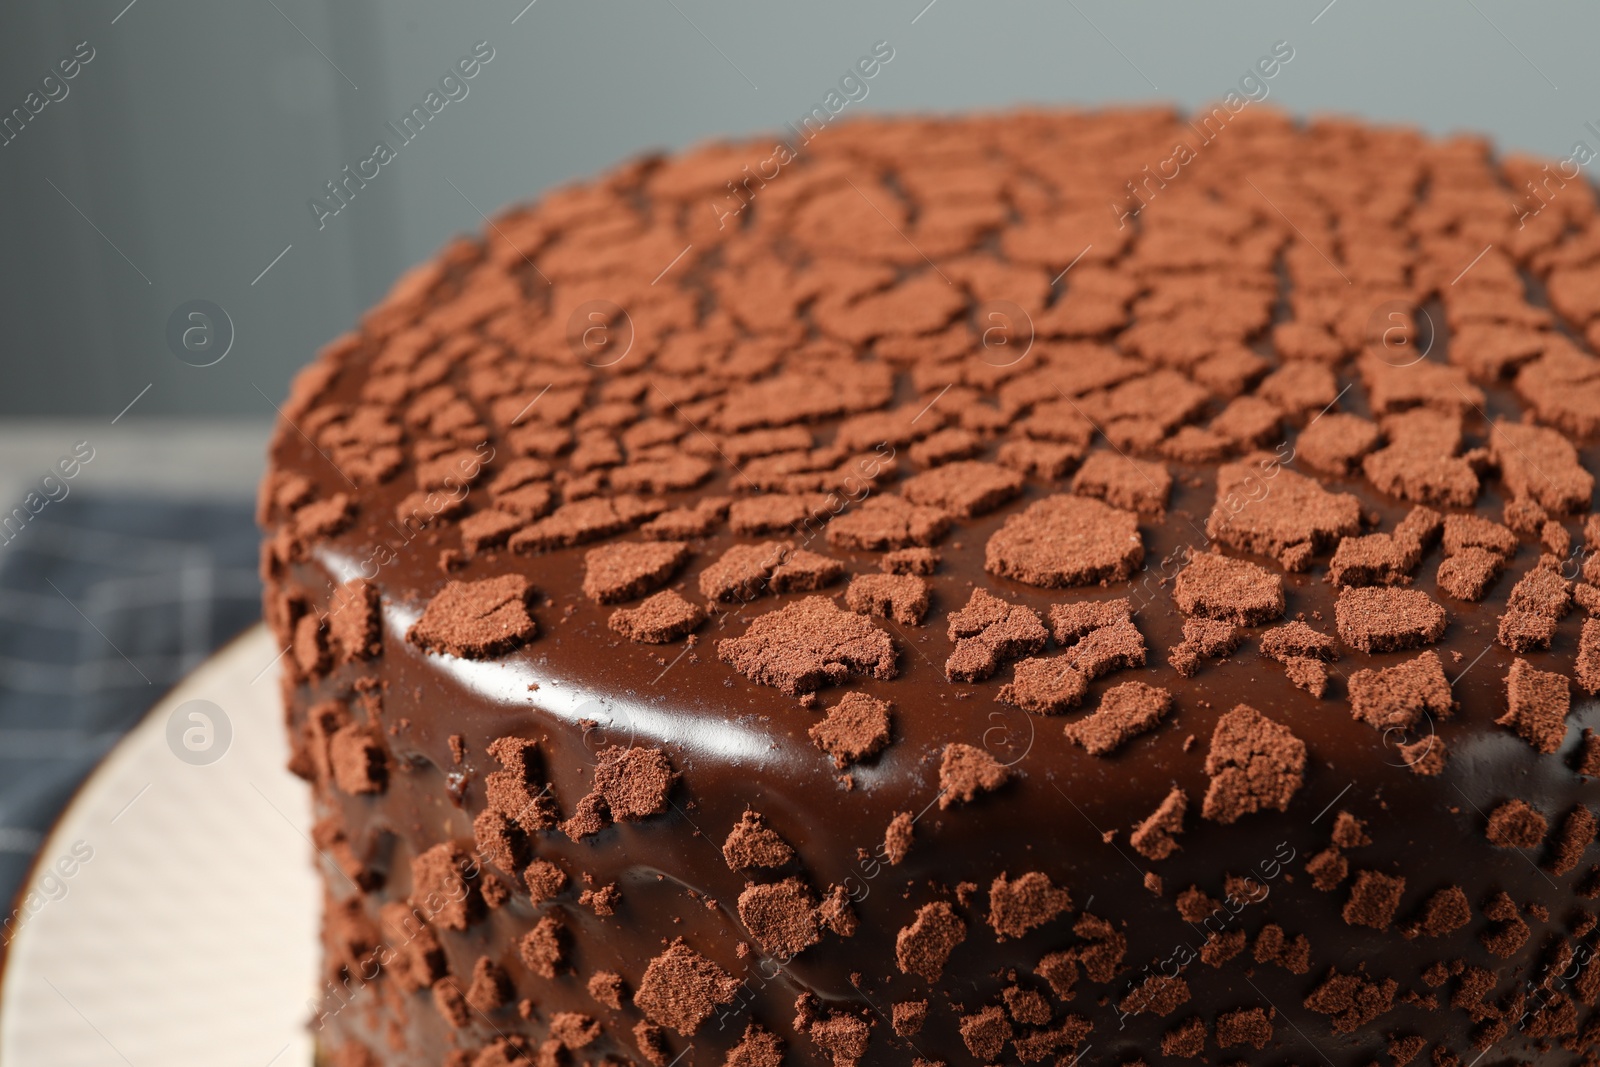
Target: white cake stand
x=174, y=907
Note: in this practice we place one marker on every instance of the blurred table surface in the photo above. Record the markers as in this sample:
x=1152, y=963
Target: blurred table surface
x=187, y=458
x=110, y=593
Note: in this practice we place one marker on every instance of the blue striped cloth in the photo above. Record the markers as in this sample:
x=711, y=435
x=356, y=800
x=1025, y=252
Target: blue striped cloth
x=106, y=602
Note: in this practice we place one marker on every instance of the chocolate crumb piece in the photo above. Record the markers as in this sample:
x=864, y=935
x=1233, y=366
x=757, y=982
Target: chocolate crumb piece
x=658, y=619
x=1121, y=481
x=1295, y=640
x=752, y=844
x=1523, y=515
x=1587, y=760
x=324, y=518
x=897, y=838
x=681, y=989
x=1110, y=648
x=543, y=949
x=1555, y=539
x=354, y=622
x=1525, y=631
x=1536, y=604
x=966, y=488
x=1375, y=559
x=606, y=988
x=986, y=1032
x=1422, y=527
x=1158, y=994
x=624, y=571
x=1017, y=906
x=544, y=880
x=987, y=632
x=1421, y=470
x=836, y=914
x=1273, y=946
x=1045, y=460
x=581, y=521
x=1514, y=824
x=855, y=728
x=1381, y=619
x=677, y=524
x=441, y=873
x=1254, y=763
x=757, y=1048
x=922, y=561
x=1405, y=1049
x=1349, y=831
x=1425, y=756
x=1445, y=912
x=1187, y=1040
x=1125, y=712
x=944, y=446
x=1060, y=971
x=1474, y=531
x=781, y=916
x=588, y=818
x=1541, y=464
x=1249, y=420
x=1537, y=704
x=1290, y=522
x=652, y=1042
x=452, y=1005
x=1586, y=671
x=1026, y=1006
x=1543, y=590
x=1069, y=622
x=965, y=772
x=908, y=1016
x=1511, y=932
x=1245, y=1026
x=573, y=1029
x=923, y=947
x=803, y=571
x=903, y=598
x=635, y=782
x=883, y=521
x=1196, y=444
x=1468, y=574
x=807, y=645
x=1307, y=673
x=1351, y=1001
x=1063, y=541
x=1401, y=696
x=358, y=760
x=476, y=620
x=1335, y=443
x=1102, y=958
x=743, y=572
x=775, y=513
x=1202, y=639
x=1328, y=869
x=1577, y=833
x=1044, y=685
x=1228, y=590
x=1154, y=838
x=1374, y=897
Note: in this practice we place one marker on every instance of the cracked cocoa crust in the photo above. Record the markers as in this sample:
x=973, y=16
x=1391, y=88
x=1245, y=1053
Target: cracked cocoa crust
x=465, y=434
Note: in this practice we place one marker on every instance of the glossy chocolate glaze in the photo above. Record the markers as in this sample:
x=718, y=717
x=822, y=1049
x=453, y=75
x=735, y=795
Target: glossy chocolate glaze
x=579, y=686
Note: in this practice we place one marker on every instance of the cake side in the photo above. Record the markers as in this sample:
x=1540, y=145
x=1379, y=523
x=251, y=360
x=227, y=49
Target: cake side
x=939, y=617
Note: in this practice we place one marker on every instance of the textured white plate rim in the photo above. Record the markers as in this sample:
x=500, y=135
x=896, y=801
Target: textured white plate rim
x=89, y=984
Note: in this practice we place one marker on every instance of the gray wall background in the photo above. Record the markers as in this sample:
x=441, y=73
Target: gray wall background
x=180, y=163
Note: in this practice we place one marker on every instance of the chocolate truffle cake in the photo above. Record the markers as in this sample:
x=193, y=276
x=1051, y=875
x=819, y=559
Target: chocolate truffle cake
x=995, y=590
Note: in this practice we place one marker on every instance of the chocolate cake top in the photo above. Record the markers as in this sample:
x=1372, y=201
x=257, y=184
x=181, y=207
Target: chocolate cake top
x=1269, y=473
